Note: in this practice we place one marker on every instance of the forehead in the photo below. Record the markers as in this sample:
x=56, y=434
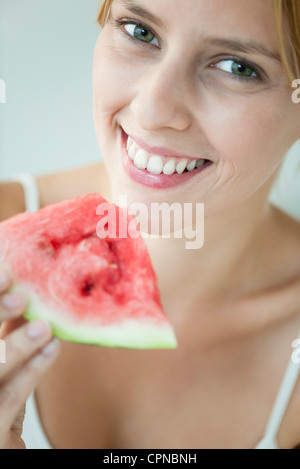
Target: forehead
x=251, y=18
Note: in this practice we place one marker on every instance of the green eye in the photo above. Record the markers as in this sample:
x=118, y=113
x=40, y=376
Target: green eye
x=236, y=68
x=241, y=69
x=141, y=33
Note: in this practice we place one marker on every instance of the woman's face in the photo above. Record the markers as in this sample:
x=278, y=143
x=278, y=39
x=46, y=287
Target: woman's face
x=193, y=80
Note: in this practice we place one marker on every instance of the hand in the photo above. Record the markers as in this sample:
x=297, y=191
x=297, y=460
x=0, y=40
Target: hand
x=29, y=351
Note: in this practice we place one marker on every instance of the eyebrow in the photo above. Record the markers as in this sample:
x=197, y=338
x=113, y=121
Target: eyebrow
x=140, y=11
x=245, y=47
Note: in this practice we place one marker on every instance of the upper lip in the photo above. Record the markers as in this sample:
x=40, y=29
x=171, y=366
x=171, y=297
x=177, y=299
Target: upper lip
x=161, y=151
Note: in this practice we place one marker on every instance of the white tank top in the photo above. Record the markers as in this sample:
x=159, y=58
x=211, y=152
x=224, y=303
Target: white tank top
x=33, y=432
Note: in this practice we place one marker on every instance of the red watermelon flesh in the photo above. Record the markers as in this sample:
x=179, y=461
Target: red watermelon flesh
x=91, y=290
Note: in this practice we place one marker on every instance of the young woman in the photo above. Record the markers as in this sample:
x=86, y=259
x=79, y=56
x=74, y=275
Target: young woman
x=208, y=85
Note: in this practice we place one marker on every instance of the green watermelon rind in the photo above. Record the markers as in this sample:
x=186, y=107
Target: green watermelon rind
x=133, y=334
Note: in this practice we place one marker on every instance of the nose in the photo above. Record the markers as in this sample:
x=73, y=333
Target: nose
x=160, y=99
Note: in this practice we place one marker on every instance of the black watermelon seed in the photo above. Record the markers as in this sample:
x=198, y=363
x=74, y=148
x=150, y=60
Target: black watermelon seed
x=87, y=288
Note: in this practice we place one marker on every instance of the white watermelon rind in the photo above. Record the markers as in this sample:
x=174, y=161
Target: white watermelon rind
x=133, y=334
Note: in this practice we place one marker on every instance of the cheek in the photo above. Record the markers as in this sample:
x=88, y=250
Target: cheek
x=108, y=96
x=250, y=137
x=110, y=84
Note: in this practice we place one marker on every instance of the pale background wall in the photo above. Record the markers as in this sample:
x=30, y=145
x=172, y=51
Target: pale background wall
x=46, y=49
x=286, y=191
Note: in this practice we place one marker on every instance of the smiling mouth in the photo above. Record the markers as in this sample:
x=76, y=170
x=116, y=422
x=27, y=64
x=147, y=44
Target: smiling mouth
x=158, y=167
x=157, y=164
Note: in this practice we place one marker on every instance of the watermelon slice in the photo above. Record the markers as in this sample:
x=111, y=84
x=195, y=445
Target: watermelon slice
x=90, y=289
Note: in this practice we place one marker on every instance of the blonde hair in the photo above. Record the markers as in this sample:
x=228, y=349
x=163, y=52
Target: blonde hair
x=287, y=19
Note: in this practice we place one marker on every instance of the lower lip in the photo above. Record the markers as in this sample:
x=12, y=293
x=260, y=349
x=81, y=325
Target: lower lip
x=160, y=181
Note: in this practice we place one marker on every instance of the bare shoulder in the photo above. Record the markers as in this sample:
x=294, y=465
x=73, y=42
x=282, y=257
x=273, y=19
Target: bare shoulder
x=289, y=229
x=11, y=199
x=279, y=307
x=55, y=187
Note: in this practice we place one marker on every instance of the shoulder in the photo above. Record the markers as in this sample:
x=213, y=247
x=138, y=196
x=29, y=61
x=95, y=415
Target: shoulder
x=290, y=239
x=292, y=423
x=273, y=295
x=55, y=187
x=12, y=199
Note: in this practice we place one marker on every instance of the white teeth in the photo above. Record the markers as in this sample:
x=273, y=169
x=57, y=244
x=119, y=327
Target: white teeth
x=169, y=167
x=191, y=165
x=132, y=151
x=155, y=165
x=141, y=159
x=181, y=166
x=129, y=143
x=200, y=163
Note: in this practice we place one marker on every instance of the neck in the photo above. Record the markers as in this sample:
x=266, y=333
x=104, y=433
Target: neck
x=226, y=266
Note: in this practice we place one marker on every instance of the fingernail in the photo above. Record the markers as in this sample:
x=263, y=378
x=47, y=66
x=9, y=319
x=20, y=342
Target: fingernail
x=50, y=349
x=12, y=300
x=37, y=329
